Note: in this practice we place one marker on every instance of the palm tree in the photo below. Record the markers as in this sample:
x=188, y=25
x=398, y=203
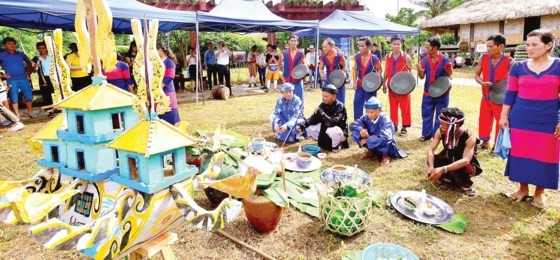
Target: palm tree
x=436, y=7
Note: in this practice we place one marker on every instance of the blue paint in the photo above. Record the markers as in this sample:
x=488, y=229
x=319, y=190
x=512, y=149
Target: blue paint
x=49, y=164
x=153, y=188
x=88, y=176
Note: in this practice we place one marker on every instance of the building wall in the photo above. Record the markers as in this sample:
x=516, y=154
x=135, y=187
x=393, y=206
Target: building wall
x=482, y=30
x=551, y=22
x=103, y=120
x=513, y=30
x=97, y=159
x=47, y=156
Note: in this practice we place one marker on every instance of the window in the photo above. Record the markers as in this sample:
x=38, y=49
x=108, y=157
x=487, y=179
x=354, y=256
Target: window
x=531, y=23
x=118, y=121
x=54, y=154
x=81, y=160
x=80, y=124
x=133, y=169
x=117, y=158
x=168, y=162
x=83, y=204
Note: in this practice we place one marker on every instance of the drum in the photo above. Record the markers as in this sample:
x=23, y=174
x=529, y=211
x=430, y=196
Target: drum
x=498, y=92
x=371, y=82
x=337, y=78
x=220, y=92
x=312, y=66
x=403, y=83
x=440, y=87
x=299, y=71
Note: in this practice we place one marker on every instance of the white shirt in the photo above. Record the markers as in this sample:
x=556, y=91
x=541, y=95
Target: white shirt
x=192, y=60
x=261, y=59
x=222, y=58
x=310, y=58
x=459, y=60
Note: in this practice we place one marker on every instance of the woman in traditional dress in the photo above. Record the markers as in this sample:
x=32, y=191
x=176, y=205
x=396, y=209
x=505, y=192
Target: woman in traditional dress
x=531, y=109
x=169, y=60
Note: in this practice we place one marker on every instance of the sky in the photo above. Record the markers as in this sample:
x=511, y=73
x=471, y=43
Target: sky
x=382, y=7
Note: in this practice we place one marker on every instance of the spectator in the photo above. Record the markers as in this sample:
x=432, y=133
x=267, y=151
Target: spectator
x=17, y=67
x=191, y=61
x=179, y=81
x=42, y=65
x=375, y=50
x=80, y=77
x=310, y=59
x=223, y=55
x=458, y=61
x=468, y=60
x=169, y=60
x=252, y=65
x=210, y=65
x=129, y=60
x=120, y=77
x=261, y=65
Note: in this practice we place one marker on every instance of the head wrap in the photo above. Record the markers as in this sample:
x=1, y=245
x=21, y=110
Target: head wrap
x=287, y=87
x=449, y=138
x=330, y=88
x=373, y=103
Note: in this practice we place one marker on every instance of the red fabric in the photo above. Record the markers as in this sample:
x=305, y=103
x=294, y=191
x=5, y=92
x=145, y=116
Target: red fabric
x=489, y=115
x=401, y=102
x=500, y=73
x=401, y=66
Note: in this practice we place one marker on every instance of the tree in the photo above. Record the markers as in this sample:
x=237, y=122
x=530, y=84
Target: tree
x=434, y=8
x=406, y=16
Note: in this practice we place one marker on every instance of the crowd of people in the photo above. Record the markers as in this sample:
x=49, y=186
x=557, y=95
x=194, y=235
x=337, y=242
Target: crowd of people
x=531, y=112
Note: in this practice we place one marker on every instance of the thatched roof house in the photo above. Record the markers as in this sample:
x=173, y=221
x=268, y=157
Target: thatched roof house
x=473, y=21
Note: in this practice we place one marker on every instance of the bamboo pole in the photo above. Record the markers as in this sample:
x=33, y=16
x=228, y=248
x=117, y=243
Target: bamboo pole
x=236, y=240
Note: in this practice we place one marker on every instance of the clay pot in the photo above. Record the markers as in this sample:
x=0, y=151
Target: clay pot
x=220, y=92
x=262, y=213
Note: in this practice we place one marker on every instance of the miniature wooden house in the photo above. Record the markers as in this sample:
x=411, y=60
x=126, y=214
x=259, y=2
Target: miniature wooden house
x=54, y=150
x=152, y=156
x=94, y=117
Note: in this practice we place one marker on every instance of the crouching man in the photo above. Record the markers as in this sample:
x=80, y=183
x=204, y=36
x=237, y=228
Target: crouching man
x=375, y=132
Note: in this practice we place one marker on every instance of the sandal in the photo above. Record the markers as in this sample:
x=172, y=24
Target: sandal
x=470, y=192
x=526, y=198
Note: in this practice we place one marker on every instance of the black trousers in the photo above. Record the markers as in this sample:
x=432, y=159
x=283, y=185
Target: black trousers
x=80, y=83
x=212, y=75
x=262, y=75
x=46, y=92
x=223, y=72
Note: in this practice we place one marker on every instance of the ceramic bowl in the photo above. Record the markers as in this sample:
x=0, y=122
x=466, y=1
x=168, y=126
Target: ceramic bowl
x=304, y=160
x=258, y=144
x=312, y=149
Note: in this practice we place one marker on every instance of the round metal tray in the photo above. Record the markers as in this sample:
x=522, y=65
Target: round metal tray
x=444, y=212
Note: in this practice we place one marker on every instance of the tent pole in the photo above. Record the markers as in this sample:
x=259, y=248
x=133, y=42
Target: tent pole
x=316, y=57
x=197, y=61
x=418, y=60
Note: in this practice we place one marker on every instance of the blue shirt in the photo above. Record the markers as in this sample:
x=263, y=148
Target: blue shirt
x=45, y=65
x=382, y=127
x=287, y=113
x=209, y=58
x=13, y=64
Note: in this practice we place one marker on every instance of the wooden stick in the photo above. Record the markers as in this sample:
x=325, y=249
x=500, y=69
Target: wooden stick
x=234, y=239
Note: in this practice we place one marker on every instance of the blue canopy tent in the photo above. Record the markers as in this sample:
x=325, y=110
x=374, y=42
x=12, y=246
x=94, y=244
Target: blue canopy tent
x=357, y=23
x=245, y=16
x=52, y=14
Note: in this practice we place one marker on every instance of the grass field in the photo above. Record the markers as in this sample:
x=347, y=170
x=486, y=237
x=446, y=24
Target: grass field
x=497, y=228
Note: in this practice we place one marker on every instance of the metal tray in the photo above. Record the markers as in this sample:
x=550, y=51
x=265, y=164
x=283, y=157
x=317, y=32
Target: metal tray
x=328, y=176
x=443, y=215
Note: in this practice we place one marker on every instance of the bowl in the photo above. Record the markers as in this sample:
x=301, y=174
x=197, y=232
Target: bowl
x=321, y=155
x=312, y=149
x=258, y=144
x=304, y=160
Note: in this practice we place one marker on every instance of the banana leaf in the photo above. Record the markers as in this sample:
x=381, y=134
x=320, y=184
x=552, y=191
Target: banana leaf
x=237, y=141
x=457, y=225
x=277, y=195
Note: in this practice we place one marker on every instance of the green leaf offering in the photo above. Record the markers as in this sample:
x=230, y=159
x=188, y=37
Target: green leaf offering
x=457, y=225
x=353, y=255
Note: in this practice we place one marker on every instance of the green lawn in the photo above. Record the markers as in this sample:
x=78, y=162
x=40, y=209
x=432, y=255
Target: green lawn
x=498, y=227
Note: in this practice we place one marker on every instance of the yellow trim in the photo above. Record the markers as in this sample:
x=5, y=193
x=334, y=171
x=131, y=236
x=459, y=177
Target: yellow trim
x=97, y=98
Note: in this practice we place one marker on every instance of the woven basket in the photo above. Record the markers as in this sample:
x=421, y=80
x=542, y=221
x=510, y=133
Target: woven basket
x=344, y=215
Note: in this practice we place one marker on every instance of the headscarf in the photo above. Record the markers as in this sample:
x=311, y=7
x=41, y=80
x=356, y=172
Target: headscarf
x=449, y=138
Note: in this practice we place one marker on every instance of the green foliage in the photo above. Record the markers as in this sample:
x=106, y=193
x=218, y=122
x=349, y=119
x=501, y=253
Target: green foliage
x=406, y=16
x=457, y=225
x=434, y=8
